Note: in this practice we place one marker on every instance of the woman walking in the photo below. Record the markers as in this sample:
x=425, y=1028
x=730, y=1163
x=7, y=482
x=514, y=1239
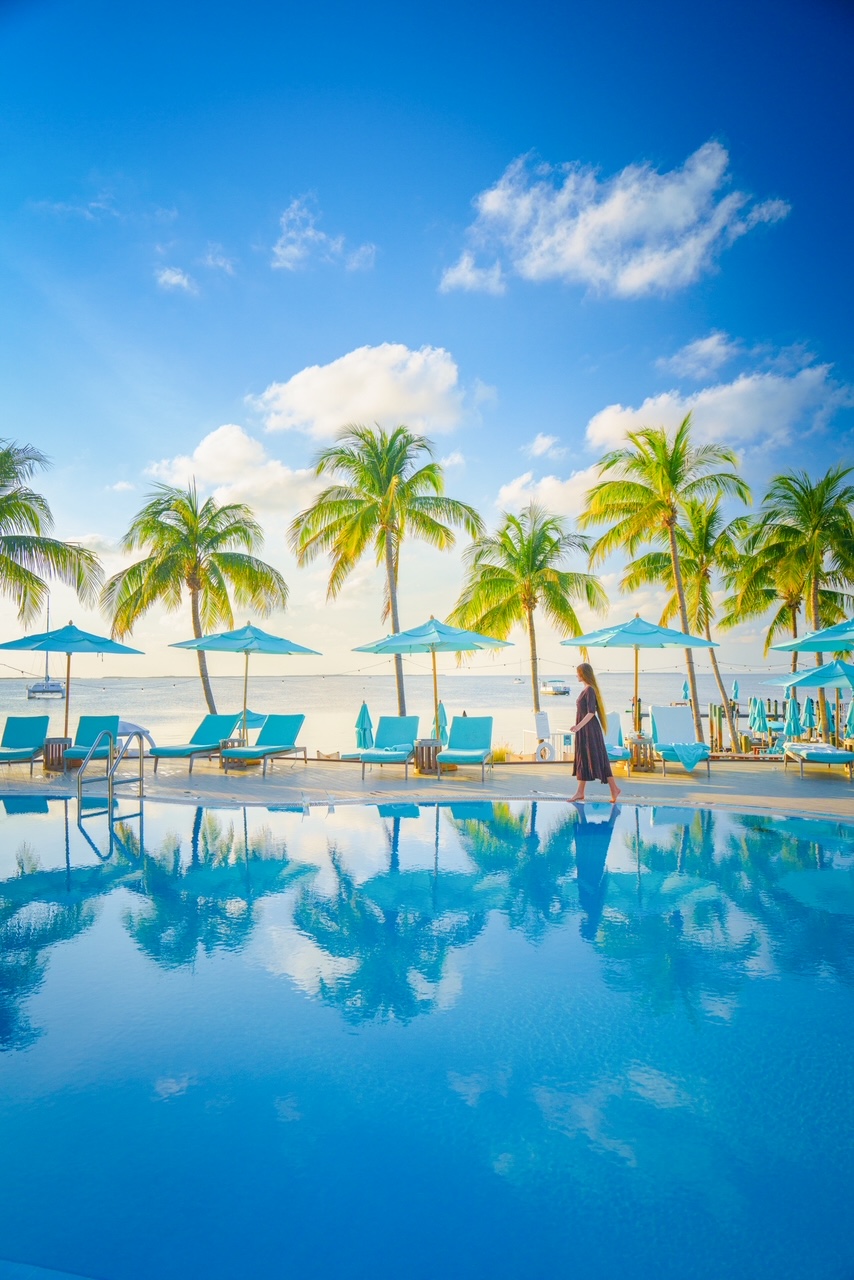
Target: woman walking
x=591, y=758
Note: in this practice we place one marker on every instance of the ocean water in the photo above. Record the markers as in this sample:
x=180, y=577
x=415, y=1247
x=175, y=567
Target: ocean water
x=171, y=707
x=470, y=1041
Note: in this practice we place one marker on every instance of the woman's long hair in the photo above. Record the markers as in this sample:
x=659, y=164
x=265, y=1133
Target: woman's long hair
x=588, y=675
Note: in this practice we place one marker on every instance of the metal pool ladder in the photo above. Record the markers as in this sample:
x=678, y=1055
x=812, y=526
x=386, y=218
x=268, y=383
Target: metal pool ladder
x=112, y=765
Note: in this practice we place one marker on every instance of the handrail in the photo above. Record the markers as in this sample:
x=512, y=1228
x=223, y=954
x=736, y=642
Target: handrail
x=105, y=733
x=122, y=752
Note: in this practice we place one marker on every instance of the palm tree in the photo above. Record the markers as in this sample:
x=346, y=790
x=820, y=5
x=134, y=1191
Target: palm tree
x=759, y=582
x=387, y=485
x=27, y=554
x=808, y=526
x=203, y=547
x=515, y=571
x=708, y=546
x=654, y=476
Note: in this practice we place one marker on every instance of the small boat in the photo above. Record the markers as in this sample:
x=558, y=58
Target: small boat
x=557, y=688
x=46, y=688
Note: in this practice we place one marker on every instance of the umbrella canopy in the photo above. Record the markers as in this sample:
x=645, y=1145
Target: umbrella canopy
x=792, y=726
x=638, y=634
x=833, y=675
x=364, y=729
x=808, y=716
x=433, y=637
x=69, y=640
x=831, y=640
x=244, y=640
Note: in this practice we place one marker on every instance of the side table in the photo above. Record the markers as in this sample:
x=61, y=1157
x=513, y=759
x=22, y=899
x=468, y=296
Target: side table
x=53, y=758
x=641, y=749
x=426, y=750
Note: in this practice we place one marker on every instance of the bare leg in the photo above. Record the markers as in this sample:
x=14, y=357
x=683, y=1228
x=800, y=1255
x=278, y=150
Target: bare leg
x=615, y=790
x=579, y=794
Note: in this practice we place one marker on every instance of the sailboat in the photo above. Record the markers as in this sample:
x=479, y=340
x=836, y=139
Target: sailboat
x=46, y=688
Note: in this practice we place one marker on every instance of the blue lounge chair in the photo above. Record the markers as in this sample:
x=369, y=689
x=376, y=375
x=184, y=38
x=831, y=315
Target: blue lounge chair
x=818, y=753
x=618, y=752
x=673, y=739
x=89, y=729
x=276, y=739
x=394, y=743
x=469, y=742
x=206, y=741
x=23, y=739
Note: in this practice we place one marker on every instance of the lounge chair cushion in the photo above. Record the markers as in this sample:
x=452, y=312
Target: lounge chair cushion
x=823, y=754
x=688, y=754
x=387, y=755
x=213, y=730
x=24, y=733
x=9, y=755
x=256, y=752
x=459, y=755
x=181, y=753
x=673, y=737
x=88, y=730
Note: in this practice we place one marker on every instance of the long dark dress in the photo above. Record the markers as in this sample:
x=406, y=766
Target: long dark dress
x=591, y=763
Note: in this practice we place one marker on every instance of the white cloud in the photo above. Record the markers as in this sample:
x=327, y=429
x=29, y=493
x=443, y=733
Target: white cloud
x=237, y=468
x=121, y=486
x=363, y=258
x=387, y=384
x=216, y=259
x=563, y=497
x=454, y=459
x=701, y=358
x=301, y=239
x=466, y=274
x=175, y=278
x=756, y=408
x=636, y=233
x=543, y=446
x=101, y=206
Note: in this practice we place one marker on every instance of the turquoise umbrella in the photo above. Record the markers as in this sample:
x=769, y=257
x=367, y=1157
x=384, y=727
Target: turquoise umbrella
x=364, y=729
x=433, y=637
x=808, y=717
x=836, y=639
x=849, y=720
x=440, y=726
x=69, y=640
x=244, y=640
x=760, y=719
x=638, y=634
x=792, y=726
x=686, y=690
x=735, y=691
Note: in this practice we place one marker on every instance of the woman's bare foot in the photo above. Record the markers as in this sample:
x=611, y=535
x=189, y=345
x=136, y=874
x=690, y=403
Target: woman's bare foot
x=578, y=798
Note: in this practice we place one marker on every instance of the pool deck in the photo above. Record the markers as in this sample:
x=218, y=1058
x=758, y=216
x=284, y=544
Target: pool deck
x=740, y=785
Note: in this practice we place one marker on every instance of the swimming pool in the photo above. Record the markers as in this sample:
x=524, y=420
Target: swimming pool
x=459, y=1041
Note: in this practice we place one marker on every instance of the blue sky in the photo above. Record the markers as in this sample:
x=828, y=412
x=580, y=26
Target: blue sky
x=521, y=227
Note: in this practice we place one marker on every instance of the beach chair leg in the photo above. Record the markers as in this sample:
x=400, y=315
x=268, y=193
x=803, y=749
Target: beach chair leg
x=363, y=771
x=709, y=770
x=801, y=763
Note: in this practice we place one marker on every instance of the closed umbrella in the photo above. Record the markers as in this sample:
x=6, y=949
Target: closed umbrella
x=440, y=728
x=69, y=640
x=686, y=690
x=244, y=640
x=433, y=637
x=364, y=729
x=808, y=716
x=638, y=634
x=760, y=719
x=849, y=721
x=735, y=691
x=792, y=726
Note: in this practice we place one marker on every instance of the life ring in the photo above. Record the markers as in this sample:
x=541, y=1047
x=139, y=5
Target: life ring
x=545, y=751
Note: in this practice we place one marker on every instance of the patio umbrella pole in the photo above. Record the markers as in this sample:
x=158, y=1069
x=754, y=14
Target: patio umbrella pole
x=435, y=697
x=836, y=717
x=637, y=679
x=245, y=694
x=67, y=688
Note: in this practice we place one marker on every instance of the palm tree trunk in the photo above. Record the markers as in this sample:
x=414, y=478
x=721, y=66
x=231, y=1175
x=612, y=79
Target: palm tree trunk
x=683, y=614
x=203, y=662
x=395, y=624
x=794, y=637
x=532, y=640
x=730, y=723
x=819, y=662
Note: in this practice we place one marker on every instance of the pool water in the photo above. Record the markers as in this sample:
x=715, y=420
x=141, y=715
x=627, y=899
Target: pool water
x=517, y=1040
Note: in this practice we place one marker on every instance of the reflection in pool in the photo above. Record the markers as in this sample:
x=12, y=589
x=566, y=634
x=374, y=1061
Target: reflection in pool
x=467, y=1040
